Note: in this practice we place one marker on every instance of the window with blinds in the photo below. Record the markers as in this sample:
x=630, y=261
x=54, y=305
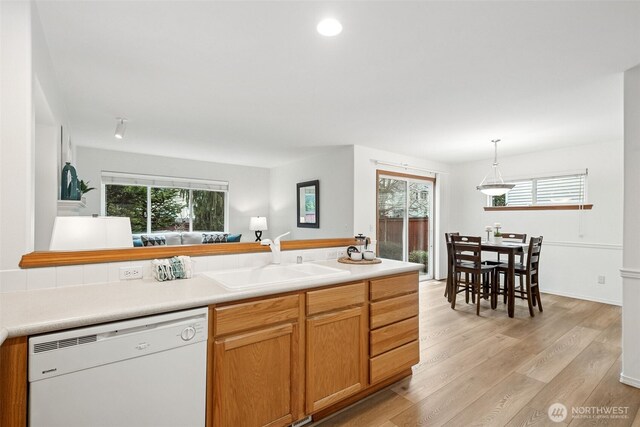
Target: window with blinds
x=554, y=190
x=156, y=203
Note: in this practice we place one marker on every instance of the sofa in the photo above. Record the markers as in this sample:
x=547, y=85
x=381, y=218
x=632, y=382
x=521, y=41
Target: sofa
x=175, y=238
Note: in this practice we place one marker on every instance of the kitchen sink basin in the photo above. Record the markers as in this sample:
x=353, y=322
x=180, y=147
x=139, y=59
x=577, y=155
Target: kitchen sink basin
x=250, y=278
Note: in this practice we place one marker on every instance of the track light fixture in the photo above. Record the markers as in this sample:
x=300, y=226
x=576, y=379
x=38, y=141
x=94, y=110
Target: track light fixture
x=121, y=126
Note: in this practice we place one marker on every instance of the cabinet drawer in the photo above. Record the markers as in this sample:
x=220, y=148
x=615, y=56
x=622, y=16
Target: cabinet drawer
x=335, y=298
x=392, y=286
x=240, y=317
x=392, y=336
x=394, y=361
x=393, y=310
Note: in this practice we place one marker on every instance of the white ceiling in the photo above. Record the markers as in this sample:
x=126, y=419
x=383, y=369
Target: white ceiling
x=253, y=83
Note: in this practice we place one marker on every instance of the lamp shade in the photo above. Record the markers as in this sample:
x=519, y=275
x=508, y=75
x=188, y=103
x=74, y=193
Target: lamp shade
x=258, y=223
x=76, y=233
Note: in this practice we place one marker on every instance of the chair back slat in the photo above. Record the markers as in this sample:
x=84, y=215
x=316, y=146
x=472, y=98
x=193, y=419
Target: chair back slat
x=533, y=254
x=519, y=237
x=467, y=249
x=447, y=236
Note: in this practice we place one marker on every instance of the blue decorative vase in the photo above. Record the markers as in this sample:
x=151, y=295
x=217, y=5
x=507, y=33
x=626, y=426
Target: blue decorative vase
x=69, y=186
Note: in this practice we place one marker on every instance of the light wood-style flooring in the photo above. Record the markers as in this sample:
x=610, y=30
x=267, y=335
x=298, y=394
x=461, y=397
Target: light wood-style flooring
x=496, y=371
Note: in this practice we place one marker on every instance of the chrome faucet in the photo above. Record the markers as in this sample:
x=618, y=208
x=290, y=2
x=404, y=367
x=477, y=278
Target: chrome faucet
x=274, y=246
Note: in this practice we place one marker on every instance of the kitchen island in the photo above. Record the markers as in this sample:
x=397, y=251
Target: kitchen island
x=324, y=342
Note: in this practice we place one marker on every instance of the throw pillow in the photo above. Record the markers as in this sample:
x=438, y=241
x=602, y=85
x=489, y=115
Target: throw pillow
x=150, y=240
x=214, y=237
x=234, y=237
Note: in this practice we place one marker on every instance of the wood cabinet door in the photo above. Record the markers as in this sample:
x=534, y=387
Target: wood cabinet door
x=336, y=357
x=255, y=378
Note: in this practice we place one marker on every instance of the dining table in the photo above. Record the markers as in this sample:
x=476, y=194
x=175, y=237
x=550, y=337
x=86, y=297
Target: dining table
x=511, y=249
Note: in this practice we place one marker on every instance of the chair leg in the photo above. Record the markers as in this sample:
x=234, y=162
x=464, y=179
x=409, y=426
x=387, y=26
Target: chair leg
x=530, y=296
x=537, y=295
x=453, y=292
x=479, y=287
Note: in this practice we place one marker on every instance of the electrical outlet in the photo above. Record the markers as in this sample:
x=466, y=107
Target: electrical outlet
x=332, y=254
x=601, y=280
x=131, y=273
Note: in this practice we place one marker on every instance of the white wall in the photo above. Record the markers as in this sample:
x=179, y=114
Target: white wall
x=364, y=201
x=50, y=116
x=248, y=186
x=631, y=259
x=16, y=135
x=334, y=170
x=578, y=246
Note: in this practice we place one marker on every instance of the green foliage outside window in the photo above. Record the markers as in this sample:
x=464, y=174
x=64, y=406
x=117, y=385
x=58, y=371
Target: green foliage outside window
x=129, y=201
x=208, y=209
x=500, y=200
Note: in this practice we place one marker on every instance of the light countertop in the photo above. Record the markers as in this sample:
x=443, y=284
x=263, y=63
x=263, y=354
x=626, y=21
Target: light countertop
x=38, y=311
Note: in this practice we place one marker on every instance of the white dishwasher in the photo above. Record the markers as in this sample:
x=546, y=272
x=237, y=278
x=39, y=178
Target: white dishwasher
x=149, y=371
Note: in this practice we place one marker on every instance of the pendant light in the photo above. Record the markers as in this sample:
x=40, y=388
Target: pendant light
x=494, y=186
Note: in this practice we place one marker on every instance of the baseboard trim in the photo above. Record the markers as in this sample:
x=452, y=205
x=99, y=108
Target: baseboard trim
x=629, y=381
x=583, y=297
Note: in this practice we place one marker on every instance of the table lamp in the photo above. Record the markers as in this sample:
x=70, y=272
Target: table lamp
x=258, y=224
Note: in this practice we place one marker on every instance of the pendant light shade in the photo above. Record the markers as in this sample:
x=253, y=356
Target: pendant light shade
x=493, y=184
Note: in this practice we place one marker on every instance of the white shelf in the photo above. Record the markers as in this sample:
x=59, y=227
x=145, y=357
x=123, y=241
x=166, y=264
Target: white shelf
x=70, y=207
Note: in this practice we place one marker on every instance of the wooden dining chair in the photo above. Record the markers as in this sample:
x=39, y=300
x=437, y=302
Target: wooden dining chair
x=467, y=258
x=447, y=239
x=528, y=271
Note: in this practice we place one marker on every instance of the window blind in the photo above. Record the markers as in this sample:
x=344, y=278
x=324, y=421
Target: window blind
x=521, y=194
x=551, y=190
x=567, y=189
x=121, y=178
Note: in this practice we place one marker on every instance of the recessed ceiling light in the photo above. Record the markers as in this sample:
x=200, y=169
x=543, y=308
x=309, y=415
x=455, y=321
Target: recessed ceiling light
x=329, y=27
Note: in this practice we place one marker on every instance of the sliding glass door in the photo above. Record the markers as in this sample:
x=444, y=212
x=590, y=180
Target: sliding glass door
x=404, y=216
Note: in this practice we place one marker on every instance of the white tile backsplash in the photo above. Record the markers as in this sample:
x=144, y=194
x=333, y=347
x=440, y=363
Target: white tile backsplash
x=69, y=275
x=254, y=260
x=223, y=262
x=113, y=270
x=13, y=280
x=95, y=273
x=50, y=277
x=41, y=278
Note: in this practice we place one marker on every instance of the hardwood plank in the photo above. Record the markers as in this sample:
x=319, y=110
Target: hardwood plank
x=442, y=405
x=426, y=381
x=576, y=382
x=612, y=336
x=611, y=393
x=603, y=317
x=529, y=417
x=432, y=355
x=556, y=357
x=500, y=403
x=372, y=412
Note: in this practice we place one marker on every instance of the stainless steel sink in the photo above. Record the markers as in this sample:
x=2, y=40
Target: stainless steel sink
x=250, y=278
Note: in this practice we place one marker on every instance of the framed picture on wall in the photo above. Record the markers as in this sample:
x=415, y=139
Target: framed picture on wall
x=308, y=204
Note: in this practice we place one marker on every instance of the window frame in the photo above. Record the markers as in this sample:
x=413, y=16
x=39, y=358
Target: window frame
x=582, y=205
x=152, y=181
